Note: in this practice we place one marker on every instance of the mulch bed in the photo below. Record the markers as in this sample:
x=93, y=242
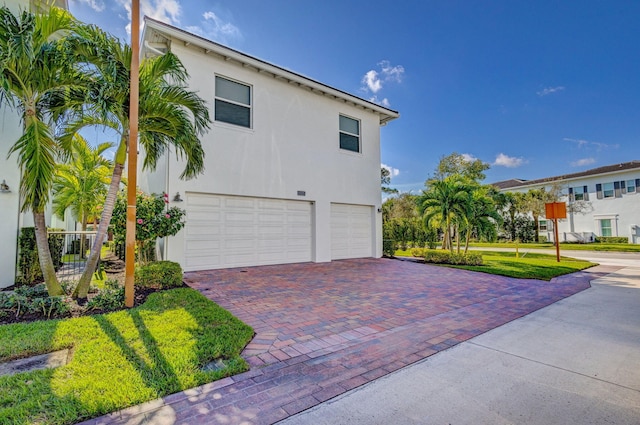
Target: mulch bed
x=114, y=268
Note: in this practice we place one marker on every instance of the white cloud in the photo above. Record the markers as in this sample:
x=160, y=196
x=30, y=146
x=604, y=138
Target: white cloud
x=392, y=171
x=391, y=73
x=468, y=157
x=549, y=90
x=582, y=162
x=374, y=80
x=503, y=160
x=384, y=102
x=96, y=5
x=215, y=28
x=598, y=146
x=167, y=11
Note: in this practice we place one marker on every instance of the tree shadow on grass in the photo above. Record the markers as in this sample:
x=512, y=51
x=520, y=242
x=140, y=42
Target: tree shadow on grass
x=159, y=374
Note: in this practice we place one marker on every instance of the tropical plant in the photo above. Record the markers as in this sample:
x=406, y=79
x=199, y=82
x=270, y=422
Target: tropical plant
x=170, y=116
x=480, y=216
x=445, y=202
x=35, y=75
x=153, y=221
x=81, y=184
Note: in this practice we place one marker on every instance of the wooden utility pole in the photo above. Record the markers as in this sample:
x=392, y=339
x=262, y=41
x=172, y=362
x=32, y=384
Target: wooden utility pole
x=132, y=170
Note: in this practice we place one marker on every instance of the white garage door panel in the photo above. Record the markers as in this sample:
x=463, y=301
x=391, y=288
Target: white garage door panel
x=351, y=230
x=234, y=231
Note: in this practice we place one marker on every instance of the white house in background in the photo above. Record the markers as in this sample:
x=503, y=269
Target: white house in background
x=292, y=165
x=11, y=220
x=610, y=197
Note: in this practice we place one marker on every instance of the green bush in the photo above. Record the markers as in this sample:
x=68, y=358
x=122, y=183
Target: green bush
x=29, y=272
x=611, y=239
x=33, y=299
x=417, y=252
x=108, y=299
x=446, y=257
x=389, y=247
x=159, y=274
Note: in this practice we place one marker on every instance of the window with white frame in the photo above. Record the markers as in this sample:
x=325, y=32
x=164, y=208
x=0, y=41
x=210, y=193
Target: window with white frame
x=544, y=225
x=349, y=134
x=605, y=227
x=631, y=186
x=578, y=193
x=233, y=102
x=608, y=190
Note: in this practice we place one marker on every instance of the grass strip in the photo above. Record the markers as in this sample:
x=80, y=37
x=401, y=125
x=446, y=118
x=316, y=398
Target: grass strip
x=119, y=359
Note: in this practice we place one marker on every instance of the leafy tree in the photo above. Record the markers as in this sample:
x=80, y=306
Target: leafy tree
x=510, y=205
x=81, y=184
x=461, y=166
x=170, y=116
x=385, y=181
x=534, y=201
x=35, y=76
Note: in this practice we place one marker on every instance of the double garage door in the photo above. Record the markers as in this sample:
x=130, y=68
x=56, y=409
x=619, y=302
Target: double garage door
x=235, y=231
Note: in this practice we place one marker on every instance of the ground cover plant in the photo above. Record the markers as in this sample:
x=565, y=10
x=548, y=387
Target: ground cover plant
x=529, y=266
x=119, y=359
x=596, y=246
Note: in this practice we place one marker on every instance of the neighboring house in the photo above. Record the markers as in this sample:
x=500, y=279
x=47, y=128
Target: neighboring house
x=603, y=201
x=11, y=220
x=292, y=166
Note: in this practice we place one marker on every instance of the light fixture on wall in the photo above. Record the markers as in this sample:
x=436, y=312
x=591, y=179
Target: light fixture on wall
x=379, y=210
x=4, y=187
x=177, y=198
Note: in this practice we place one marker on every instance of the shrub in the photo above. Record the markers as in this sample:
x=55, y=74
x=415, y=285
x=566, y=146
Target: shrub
x=446, y=257
x=162, y=274
x=108, y=299
x=33, y=299
x=28, y=262
x=417, y=252
x=611, y=239
x=388, y=247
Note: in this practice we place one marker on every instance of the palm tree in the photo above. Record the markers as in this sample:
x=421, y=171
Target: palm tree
x=35, y=75
x=170, y=116
x=480, y=216
x=81, y=184
x=444, y=201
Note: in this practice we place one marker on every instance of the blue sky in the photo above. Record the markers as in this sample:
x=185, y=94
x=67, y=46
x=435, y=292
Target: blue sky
x=536, y=88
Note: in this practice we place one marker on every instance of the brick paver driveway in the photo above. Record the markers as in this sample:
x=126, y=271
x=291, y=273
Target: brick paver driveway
x=323, y=329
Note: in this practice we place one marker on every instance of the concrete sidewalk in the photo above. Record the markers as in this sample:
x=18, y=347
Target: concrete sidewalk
x=573, y=362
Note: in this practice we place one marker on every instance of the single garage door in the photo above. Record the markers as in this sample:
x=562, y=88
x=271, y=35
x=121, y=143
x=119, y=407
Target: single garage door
x=351, y=229
x=235, y=231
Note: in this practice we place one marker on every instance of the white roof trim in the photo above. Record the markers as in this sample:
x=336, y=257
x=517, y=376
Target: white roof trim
x=261, y=66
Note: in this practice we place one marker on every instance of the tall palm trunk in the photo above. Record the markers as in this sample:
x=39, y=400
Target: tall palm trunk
x=82, y=289
x=44, y=255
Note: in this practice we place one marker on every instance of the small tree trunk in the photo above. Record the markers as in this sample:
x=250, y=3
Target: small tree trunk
x=44, y=256
x=535, y=231
x=85, y=280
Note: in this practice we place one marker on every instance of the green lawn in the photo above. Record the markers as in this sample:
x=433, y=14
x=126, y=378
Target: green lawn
x=614, y=247
x=119, y=359
x=531, y=266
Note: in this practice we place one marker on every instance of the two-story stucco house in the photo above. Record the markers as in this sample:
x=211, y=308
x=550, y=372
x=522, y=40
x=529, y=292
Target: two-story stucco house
x=11, y=220
x=292, y=165
x=608, y=198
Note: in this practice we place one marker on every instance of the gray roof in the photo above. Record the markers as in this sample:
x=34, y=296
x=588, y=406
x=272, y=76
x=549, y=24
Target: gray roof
x=607, y=169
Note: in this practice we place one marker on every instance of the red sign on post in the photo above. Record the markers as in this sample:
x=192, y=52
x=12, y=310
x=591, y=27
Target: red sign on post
x=556, y=210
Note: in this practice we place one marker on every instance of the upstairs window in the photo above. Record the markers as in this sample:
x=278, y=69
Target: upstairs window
x=608, y=190
x=579, y=193
x=233, y=102
x=632, y=186
x=349, y=134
